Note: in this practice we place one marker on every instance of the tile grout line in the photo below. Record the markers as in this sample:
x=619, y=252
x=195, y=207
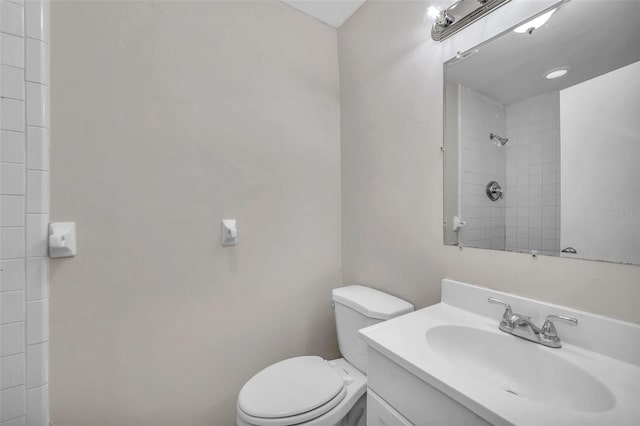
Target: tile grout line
x=26, y=366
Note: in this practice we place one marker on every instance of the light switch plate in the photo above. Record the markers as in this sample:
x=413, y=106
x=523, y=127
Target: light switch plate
x=229, y=232
x=62, y=239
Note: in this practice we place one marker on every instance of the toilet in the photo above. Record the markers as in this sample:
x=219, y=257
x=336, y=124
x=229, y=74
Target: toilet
x=311, y=391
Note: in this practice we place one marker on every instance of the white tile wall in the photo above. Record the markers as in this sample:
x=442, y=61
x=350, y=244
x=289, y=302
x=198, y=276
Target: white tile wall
x=482, y=162
x=12, y=146
x=18, y=421
x=37, y=322
x=24, y=213
x=37, y=104
x=37, y=279
x=11, y=210
x=12, y=338
x=533, y=175
x=12, y=48
x=37, y=148
x=37, y=61
x=13, y=274
x=12, y=371
x=11, y=307
x=12, y=403
x=12, y=117
x=12, y=18
x=12, y=243
x=38, y=365
x=36, y=235
x=37, y=406
x=11, y=82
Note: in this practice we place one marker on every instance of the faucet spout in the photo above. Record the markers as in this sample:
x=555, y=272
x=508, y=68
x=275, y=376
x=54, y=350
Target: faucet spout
x=525, y=321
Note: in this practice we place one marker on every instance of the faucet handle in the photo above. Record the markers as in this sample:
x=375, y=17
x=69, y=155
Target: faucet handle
x=508, y=313
x=549, y=334
x=499, y=302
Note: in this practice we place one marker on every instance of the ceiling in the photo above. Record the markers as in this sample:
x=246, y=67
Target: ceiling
x=331, y=12
x=580, y=35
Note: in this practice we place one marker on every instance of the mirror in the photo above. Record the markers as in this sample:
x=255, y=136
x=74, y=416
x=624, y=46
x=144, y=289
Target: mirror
x=542, y=136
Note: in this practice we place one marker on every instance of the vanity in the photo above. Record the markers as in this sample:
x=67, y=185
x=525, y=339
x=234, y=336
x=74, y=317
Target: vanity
x=450, y=364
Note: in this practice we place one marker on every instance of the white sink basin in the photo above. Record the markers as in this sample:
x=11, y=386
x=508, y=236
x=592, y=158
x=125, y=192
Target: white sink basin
x=519, y=367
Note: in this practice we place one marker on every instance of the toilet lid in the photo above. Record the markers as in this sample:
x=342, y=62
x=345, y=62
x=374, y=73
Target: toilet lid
x=290, y=387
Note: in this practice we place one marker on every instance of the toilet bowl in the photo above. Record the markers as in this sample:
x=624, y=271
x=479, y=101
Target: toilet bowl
x=303, y=390
x=311, y=391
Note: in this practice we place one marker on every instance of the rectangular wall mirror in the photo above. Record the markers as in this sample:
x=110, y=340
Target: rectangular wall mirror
x=542, y=136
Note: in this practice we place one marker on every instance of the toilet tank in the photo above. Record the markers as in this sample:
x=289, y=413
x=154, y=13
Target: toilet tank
x=357, y=307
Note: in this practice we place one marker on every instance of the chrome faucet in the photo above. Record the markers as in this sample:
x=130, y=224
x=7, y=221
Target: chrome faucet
x=522, y=326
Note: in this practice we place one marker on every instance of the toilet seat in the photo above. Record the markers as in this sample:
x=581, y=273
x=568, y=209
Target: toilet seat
x=292, y=391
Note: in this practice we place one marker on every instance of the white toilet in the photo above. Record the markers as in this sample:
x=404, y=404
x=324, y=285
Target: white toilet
x=311, y=391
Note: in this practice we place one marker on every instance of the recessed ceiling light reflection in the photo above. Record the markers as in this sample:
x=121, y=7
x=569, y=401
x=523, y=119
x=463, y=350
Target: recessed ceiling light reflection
x=557, y=73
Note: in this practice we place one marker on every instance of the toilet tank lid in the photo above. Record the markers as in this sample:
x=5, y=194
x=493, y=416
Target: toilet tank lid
x=371, y=303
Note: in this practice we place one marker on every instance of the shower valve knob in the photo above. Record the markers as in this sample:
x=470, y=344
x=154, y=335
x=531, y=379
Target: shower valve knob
x=494, y=191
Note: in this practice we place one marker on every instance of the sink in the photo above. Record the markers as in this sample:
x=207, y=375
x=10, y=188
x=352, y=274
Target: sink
x=520, y=368
x=455, y=349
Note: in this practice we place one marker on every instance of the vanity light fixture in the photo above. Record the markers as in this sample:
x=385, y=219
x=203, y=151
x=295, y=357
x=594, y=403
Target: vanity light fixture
x=532, y=25
x=556, y=73
x=460, y=15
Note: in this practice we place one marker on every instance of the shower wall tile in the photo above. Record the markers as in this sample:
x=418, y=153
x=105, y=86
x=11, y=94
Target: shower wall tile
x=533, y=170
x=482, y=161
x=37, y=403
x=12, y=371
x=37, y=365
x=37, y=148
x=37, y=322
x=37, y=191
x=12, y=403
x=12, y=339
x=20, y=421
x=11, y=18
x=11, y=307
x=527, y=167
x=11, y=82
x=12, y=146
x=11, y=210
x=37, y=105
x=37, y=278
x=12, y=243
x=37, y=235
x=24, y=207
x=37, y=61
x=13, y=275
x=12, y=116
x=12, y=179
x=37, y=19
x=11, y=50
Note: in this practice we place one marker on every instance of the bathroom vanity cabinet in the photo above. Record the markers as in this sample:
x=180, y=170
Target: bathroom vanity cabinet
x=397, y=397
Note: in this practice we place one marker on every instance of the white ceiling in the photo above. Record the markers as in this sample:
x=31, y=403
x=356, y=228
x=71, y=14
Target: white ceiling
x=331, y=12
x=579, y=35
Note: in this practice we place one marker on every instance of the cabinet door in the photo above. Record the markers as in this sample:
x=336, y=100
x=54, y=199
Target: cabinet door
x=379, y=413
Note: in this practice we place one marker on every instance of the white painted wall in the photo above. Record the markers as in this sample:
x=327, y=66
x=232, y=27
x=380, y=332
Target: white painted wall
x=24, y=212
x=600, y=158
x=533, y=175
x=392, y=125
x=168, y=117
x=154, y=322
